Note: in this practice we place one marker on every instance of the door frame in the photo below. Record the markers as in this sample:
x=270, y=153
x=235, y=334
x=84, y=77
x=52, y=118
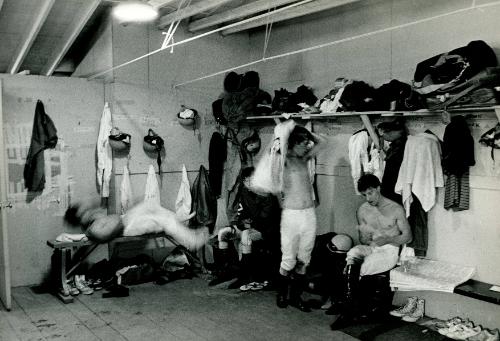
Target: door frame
x=5, y=280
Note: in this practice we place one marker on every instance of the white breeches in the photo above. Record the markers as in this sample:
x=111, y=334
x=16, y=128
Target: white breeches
x=298, y=231
x=376, y=259
x=247, y=237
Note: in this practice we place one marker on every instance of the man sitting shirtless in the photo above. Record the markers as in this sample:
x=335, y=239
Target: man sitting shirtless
x=382, y=228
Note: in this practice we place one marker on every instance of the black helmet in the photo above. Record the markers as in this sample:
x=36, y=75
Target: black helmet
x=119, y=142
x=153, y=142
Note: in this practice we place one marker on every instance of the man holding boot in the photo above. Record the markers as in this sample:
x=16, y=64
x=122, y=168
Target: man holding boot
x=382, y=228
x=257, y=220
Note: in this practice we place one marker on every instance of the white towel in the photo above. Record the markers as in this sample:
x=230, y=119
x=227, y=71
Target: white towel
x=126, y=197
x=152, y=188
x=104, y=153
x=420, y=171
x=268, y=175
x=311, y=164
x=184, y=200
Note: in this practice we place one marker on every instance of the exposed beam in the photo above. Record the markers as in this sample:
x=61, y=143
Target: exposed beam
x=72, y=33
x=160, y=3
x=189, y=11
x=309, y=8
x=236, y=13
x=29, y=35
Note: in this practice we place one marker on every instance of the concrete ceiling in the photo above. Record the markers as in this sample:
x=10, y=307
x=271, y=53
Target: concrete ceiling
x=51, y=37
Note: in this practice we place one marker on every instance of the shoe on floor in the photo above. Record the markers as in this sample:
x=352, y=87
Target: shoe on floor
x=417, y=313
x=72, y=289
x=253, y=286
x=82, y=285
x=459, y=325
x=463, y=332
x=410, y=305
x=486, y=335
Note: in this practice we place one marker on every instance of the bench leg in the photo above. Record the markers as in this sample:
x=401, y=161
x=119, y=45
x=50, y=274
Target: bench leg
x=62, y=287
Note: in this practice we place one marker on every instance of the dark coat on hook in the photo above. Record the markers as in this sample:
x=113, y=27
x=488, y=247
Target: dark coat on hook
x=44, y=136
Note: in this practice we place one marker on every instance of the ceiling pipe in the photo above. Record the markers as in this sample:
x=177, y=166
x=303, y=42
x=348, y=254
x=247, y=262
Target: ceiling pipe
x=236, y=13
x=313, y=7
x=30, y=36
x=195, y=38
x=189, y=11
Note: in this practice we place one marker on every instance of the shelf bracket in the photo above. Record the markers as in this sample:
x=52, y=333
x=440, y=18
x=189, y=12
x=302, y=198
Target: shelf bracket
x=497, y=112
x=371, y=130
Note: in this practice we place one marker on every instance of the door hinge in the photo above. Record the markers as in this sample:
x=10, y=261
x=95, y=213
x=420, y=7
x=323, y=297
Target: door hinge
x=5, y=204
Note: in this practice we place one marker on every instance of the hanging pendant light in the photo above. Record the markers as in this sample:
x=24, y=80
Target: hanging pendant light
x=135, y=11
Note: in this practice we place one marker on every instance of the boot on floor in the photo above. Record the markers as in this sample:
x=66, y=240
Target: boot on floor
x=297, y=288
x=245, y=271
x=282, y=284
x=351, y=311
x=222, y=272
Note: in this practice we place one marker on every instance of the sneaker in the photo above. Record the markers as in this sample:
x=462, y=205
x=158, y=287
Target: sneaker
x=451, y=322
x=417, y=313
x=410, y=305
x=486, y=335
x=82, y=285
x=463, y=332
x=71, y=288
x=247, y=287
x=456, y=327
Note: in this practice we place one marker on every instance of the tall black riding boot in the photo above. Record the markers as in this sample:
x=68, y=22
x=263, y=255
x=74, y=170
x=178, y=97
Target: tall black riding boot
x=296, y=290
x=244, y=272
x=336, y=282
x=282, y=287
x=222, y=273
x=350, y=312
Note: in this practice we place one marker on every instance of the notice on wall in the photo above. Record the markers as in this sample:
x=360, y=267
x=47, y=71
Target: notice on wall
x=57, y=182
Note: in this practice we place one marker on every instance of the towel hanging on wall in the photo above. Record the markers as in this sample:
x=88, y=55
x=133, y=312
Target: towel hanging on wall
x=104, y=152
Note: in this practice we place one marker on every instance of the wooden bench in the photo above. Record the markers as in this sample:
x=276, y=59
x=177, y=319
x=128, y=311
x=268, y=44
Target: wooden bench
x=62, y=255
x=478, y=290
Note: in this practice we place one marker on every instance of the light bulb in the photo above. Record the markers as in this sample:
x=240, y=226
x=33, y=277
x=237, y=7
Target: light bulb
x=135, y=11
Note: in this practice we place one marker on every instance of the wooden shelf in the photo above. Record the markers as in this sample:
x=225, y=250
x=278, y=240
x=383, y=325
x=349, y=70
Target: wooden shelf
x=419, y=113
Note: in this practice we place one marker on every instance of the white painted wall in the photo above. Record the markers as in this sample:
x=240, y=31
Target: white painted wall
x=470, y=238
x=75, y=106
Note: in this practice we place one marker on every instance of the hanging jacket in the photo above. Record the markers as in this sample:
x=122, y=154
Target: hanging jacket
x=393, y=159
x=458, y=147
x=44, y=136
x=183, y=201
x=152, y=188
x=204, y=203
x=217, y=153
x=126, y=197
x=104, y=152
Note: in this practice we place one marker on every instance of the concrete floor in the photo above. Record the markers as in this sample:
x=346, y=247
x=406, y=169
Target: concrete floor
x=181, y=310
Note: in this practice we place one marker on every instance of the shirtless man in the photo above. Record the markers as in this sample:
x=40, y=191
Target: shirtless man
x=298, y=218
x=143, y=218
x=382, y=228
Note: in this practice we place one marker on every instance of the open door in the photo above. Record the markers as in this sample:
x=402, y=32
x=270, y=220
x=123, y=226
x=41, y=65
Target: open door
x=5, y=295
